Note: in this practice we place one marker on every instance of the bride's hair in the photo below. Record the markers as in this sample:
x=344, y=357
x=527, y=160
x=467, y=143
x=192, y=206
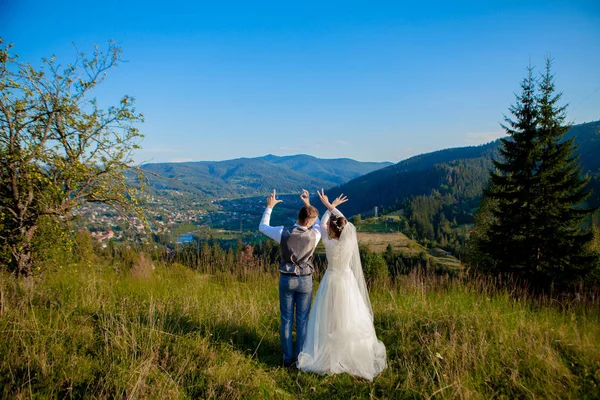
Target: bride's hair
x=336, y=225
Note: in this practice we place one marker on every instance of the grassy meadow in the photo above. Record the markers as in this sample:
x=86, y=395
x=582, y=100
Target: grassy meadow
x=175, y=333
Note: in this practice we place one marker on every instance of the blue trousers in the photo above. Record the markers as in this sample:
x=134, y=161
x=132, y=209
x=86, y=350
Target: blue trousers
x=295, y=292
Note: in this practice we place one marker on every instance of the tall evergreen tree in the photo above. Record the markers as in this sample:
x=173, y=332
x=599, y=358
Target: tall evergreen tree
x=511, y=190
x=560, y=248
x=534, y=224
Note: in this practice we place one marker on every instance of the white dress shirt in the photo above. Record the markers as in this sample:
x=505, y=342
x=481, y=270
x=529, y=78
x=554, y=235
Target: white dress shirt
x=274, y=232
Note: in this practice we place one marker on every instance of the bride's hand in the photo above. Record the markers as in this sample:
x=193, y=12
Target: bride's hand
x=339, y=200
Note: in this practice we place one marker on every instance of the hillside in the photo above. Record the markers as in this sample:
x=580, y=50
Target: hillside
x=463, y=169
x=587, y=137
x=461, y=172
x=244, y=177
x=336, y=170
x=232, y=178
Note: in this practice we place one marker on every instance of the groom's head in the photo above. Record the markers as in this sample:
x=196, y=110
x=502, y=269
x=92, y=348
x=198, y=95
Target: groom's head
x=307, y=216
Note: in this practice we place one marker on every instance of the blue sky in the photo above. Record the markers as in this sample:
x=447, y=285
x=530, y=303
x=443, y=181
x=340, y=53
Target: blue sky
x=373, y=81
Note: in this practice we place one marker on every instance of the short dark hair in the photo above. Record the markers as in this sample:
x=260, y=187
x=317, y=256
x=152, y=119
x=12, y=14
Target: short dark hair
x=306, y=213
x=336, y=225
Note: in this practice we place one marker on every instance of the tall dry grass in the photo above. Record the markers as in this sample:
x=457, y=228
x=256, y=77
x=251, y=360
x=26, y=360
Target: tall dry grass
x=176, y=333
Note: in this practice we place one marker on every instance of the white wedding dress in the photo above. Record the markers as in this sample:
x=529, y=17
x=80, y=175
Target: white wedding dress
x=340, y=336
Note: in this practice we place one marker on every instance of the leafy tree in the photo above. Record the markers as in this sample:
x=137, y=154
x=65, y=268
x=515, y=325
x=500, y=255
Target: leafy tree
x=530, y=224
x=374, y=267
x=389, y=256
x=83, y=251
x=58, y=148
x=477, y=252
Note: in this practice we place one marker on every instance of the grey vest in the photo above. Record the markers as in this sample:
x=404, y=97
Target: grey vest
x=297, y=248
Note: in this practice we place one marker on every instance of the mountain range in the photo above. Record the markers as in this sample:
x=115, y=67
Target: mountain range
x=245, y=177
x=461, y=173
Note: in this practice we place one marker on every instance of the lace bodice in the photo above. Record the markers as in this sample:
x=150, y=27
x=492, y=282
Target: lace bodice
x=335, y=257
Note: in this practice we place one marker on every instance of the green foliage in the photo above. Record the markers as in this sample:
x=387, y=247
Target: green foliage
x=475, y=255
x=59, y=149
x=531, y=225
x=400, y=265
x=374, y=267
x=83, y=251
x=593, y=249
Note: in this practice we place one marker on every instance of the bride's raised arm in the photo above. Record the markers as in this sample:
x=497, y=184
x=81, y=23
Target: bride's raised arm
x=331, y=209
x=324, y=224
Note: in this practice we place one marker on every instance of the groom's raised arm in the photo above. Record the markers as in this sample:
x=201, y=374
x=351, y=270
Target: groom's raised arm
x=316, y=227
x=274, y=232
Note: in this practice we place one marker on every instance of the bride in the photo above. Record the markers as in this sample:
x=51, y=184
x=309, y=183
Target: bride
x=340, y=336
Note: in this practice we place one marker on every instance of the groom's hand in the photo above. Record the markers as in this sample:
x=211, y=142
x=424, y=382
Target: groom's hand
x=272, y=201
x=305, y=197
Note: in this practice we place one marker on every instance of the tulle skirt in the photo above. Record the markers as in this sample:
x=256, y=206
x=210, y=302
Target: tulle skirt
x=340, y=335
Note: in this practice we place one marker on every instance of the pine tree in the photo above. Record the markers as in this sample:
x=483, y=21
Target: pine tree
x=560, y=244
x=511, y=190
x=533, y=223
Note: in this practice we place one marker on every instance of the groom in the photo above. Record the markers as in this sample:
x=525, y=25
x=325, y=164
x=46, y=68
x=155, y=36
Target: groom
x=298, y=244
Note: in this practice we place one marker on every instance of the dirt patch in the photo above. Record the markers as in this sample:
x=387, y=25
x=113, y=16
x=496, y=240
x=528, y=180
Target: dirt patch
x=378, y=242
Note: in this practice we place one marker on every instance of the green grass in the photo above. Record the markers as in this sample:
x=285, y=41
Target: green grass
x=180, y=334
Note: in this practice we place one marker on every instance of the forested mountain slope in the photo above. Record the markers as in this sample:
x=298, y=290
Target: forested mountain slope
x=255, y=176
x=460, y=172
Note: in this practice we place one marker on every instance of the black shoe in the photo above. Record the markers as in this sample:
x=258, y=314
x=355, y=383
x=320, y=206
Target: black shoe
x=290, y=364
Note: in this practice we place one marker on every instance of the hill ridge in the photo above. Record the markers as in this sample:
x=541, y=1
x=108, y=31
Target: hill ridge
x=460, y=171
x=248, y=176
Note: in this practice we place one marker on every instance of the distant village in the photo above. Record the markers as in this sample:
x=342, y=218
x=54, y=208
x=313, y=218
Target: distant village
x=165, y=214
